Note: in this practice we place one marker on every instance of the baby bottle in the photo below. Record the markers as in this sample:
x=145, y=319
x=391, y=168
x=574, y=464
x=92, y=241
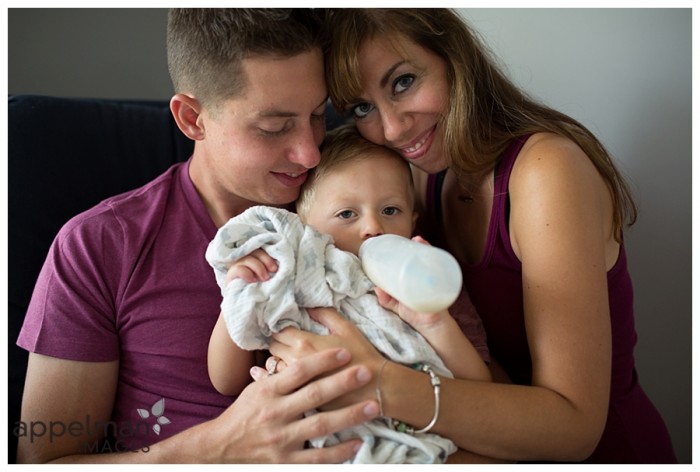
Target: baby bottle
x=424, y=278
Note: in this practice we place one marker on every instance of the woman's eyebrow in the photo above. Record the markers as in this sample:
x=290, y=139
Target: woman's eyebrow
x=383, y=81
x=389, y=72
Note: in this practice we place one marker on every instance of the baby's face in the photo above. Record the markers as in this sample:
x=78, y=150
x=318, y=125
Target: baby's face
x=362, y=199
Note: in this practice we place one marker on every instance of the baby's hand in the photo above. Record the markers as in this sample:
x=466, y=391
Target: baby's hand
x=418, y=321
x=255, y=267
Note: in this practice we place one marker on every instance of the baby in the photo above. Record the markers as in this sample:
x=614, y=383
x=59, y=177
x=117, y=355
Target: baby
x=358, y=191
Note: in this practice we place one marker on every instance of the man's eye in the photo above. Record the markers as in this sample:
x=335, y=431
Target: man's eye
x=271, y=133
x=275, y=129
x=362, y=109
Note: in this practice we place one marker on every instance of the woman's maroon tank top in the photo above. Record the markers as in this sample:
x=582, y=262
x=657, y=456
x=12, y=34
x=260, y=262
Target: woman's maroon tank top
x=635, y=432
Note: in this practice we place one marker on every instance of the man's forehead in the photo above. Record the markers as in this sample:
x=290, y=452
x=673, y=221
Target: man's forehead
x=277, y=87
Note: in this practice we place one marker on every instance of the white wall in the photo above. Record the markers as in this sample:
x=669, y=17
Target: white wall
x=625, y=73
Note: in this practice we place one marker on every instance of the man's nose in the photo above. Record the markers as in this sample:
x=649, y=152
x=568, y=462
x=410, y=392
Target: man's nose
x=305, y=151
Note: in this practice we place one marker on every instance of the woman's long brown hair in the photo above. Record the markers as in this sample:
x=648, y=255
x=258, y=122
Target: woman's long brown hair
x=486, y=110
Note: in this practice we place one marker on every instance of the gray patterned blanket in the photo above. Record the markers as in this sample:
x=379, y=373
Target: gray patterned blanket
x=312, y=272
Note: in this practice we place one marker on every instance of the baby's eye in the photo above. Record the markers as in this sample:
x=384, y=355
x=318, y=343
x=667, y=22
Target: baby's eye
x=403, y=83
x=390, y=211
x=362, y=109
x=346, y=214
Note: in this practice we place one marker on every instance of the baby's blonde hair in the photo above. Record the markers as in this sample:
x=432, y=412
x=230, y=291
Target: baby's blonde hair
x=341, y=146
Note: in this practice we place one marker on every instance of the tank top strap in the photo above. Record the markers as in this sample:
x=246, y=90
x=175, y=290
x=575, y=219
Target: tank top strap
x=433, y=210
x=505, y=165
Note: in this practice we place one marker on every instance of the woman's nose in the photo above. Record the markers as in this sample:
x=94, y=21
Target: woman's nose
x=394, y=124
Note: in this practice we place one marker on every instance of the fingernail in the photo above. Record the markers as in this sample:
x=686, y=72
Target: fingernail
x=371, y=410
x=363, y=374
x=256, y=372
x=343, y=355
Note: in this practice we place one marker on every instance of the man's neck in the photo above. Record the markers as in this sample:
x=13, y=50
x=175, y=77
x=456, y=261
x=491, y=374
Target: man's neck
x=220, y=204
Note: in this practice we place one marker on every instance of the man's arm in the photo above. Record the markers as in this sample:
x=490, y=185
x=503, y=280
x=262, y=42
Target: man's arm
x=59, y=392
x=265, y=424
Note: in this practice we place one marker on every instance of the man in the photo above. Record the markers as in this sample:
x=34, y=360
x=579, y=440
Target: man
x=120, y=319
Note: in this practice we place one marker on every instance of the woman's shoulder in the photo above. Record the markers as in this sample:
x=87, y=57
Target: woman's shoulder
x=548, y=155
x=541, y=146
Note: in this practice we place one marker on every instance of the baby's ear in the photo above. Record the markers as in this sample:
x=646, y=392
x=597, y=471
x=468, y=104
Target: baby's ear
x=415, y=220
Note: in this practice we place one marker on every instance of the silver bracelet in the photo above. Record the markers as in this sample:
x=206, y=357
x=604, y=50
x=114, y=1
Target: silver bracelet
x=378, y=388
x=435, y=382
x=400, y=426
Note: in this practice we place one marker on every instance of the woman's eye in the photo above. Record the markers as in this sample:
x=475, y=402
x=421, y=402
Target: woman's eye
x=403, y=83
x=345, y=214
x=362, y=109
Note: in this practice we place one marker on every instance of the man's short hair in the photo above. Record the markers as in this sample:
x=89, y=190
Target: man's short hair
x=206, y=46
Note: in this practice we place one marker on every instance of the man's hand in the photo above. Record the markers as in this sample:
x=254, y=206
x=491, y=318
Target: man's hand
x=267, y=424
x=292, y=344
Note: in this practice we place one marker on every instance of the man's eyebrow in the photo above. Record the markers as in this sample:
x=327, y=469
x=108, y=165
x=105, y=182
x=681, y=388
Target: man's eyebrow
x=273, y=113
x=279, y=113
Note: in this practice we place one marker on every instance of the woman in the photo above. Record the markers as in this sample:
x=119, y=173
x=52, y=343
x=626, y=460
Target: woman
x=532, y=206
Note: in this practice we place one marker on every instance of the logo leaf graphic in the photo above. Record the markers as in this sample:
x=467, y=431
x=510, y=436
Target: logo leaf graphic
x=143, y=413
x=163, y=420
x=158, y=407
x=156, y=429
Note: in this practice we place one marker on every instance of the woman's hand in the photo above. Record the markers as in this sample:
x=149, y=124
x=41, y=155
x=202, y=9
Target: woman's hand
x=292, y=344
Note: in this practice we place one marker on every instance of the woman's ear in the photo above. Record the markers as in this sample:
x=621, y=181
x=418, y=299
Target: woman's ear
x=186, y=111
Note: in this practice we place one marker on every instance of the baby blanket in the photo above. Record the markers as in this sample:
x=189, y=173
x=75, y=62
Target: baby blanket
x=312, y=272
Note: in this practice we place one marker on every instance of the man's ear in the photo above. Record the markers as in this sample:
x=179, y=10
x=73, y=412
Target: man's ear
x=187, y=111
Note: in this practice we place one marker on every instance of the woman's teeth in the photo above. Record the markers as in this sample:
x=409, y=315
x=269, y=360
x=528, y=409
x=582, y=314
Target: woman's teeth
x=416, y=146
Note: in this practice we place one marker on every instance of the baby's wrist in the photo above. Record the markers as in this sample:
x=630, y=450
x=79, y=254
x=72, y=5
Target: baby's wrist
x=431, y=321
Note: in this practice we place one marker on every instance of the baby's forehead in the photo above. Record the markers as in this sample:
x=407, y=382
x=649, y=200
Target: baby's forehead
x=383, y=171
x=380, y=156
